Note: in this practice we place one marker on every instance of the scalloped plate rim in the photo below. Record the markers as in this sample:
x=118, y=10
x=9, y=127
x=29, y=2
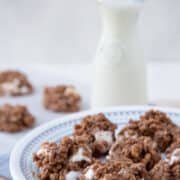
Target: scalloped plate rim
x=18, y=149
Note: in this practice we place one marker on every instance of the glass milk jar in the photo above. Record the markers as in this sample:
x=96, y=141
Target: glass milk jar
x=119, y=76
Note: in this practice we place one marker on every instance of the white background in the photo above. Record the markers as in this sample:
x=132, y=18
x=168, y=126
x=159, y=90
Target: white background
x=58, y=31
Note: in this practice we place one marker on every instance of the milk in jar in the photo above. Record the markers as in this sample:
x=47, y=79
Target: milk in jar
x=119, y=70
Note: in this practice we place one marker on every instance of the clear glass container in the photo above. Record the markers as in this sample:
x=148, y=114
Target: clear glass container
x=119, y=75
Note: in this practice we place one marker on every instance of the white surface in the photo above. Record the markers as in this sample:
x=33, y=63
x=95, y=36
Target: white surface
x=21, y=165
x=39, y=78
x=68, y=30
x=163, y=84
x=163, y=81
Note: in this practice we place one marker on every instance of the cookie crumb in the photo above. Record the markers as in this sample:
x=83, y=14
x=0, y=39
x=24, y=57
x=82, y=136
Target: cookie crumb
x=142, y=150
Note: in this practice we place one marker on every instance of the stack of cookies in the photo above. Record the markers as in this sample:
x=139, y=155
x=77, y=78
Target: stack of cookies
x=93, y=152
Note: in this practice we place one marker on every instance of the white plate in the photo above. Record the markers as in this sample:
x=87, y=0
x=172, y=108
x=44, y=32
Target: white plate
x=21, y=165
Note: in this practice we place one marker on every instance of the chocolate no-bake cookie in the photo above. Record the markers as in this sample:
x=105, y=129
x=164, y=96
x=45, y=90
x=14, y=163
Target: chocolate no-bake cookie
x=175, y=145
x=14, y=83
x=62, y=160
x=3, y=178
x=115, y=170
x=97, y=131
x=61, y=99
x=168, y=169
x=154, y=124
x=176, y=134
x=141, y=150
x=93, y=153
x=15, y=118
x=161, y=171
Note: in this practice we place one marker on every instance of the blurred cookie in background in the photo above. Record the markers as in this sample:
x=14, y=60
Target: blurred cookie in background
x=62, y=99
x=15, y=118
x=3, y=178
x=14, y=83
